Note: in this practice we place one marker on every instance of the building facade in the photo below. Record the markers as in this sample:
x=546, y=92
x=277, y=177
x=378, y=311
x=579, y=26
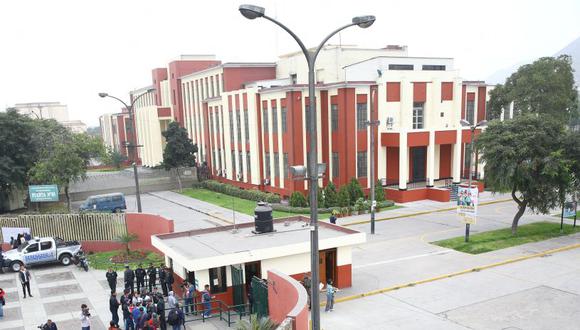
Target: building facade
x=51, y=110
x=249, y=120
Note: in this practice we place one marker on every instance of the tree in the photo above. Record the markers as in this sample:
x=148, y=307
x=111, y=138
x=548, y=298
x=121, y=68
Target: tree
x=179, y=150
x=343, y=196
x=67, y=162
x=330, y=195
x=545, y=87
x=355, y=190
x=114, y=158
x=126, y=239
x=297, y=199
x=527, y=157
x=379, y=191
x=257, y=323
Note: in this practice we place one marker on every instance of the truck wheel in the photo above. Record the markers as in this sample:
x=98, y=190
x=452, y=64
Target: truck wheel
x=65, y=259
x=15, y=266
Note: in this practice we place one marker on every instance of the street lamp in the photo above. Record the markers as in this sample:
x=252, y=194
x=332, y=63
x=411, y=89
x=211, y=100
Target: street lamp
x=132, y=144
x=372, y=124
x=253, y=12
x=465, y=123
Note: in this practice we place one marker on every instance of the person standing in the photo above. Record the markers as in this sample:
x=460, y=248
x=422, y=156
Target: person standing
x=140, y=276
x=152, y=274
x=111, y=276
x=25, y=280
x=171, y=300
x=162, y=276
x=333, y=219
x=2, y=303
x=129, y=275
x=188, y=298
x=330, y=291
x=169, y=279
x=85, y=318
x=161, y=312
x=127, y=316
x=206, y=298
x=114, y=308
x=307, y=282
x=176, y=318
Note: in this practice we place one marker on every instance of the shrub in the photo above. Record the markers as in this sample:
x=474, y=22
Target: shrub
x=253, y=195
x=301, y=210
x=343, y=196
x=354, y=190
x=330, y=195
x=361, y=205
x=379, y=191
x=298, y=200
x=321, y=198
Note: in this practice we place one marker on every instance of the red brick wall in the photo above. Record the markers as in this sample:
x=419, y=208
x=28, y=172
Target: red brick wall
x=287, y=298
x=144, y=225
x=405, y=196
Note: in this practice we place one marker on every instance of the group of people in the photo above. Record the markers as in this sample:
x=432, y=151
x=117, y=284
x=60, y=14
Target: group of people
x=20, y=239
x=330, y=291
x=144, y=278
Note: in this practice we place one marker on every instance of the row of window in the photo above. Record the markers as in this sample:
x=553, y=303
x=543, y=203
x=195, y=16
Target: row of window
x=285, y=165
x=284, y=119
x=410, y=67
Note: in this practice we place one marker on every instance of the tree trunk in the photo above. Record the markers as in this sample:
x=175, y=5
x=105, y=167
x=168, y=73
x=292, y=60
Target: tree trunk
x=521, y=209
x=67, y=198
x=179, y=180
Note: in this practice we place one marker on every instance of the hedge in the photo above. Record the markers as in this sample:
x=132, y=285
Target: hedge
x=304, y=210
x=227, y=189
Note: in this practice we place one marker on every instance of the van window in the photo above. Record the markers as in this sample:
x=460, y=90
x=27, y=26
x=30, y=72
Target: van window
x=32, y=248
x=101, y=200
x=117, y=198
x=45, y=246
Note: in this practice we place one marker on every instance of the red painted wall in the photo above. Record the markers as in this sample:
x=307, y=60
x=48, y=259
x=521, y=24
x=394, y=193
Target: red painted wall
x=392, y=164
x=158, y=75
x=446, y=91
x=234, y=78
x=438, y=194
x=287, y=298
x=418, y=139
x=463, y=90
x=445, y=137
x=393, y=92
x=481, y=91
x=405, y=196
x=419, y=92
x=145, y=225
x=445, y=161
x=344, y=276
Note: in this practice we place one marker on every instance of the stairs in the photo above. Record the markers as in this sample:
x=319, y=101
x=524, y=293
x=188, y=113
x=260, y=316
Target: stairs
x=453, y=194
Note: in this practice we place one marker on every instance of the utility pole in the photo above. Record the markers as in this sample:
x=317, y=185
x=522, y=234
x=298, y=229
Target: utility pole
x=372, y=124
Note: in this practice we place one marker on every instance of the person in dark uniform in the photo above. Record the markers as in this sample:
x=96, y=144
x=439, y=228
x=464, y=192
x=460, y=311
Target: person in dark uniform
x=152, y=273
x=161, y=312
x=129, y=278
x=114, y=308
x=169, y=279
x=111, y=276
x=140, y=276
x=162, y=276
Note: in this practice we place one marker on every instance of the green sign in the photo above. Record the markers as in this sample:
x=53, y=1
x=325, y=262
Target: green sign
x=43, y=193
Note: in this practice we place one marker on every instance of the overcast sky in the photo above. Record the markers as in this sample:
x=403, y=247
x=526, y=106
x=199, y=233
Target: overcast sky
x=68, y=51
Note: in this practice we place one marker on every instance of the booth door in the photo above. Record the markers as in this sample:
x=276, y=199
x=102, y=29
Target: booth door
x=327, y=265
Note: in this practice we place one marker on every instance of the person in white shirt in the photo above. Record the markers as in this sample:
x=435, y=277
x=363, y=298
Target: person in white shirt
x=85, y=318
x=171, y=300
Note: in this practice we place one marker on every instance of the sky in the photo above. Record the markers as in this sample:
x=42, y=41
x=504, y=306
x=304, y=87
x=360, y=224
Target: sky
x=69, y=51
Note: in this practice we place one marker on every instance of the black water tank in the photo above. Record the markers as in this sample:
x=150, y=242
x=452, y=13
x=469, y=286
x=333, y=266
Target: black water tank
x=263, y=218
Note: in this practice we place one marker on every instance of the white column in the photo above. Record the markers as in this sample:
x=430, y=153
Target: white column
x=403, y=161
x=431, y=159
x=456, y=159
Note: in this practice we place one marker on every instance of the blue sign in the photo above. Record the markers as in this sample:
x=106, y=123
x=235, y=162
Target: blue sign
x=43, y=193
x=569, y=209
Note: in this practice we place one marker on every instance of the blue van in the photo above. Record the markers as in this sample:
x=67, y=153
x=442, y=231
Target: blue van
x=114, y=203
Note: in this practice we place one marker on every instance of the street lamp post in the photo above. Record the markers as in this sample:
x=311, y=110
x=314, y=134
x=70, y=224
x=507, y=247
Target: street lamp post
x=253, y=12
x=472, y=128
x=372, y=123
x=133, y=144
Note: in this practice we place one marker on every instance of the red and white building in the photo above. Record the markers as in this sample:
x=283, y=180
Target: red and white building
x=248, y=119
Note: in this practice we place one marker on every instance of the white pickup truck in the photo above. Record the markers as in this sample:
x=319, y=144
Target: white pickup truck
x=41, y=251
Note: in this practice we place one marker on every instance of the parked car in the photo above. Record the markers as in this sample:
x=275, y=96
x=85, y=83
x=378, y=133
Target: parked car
x=114, y=203
x=41, y=250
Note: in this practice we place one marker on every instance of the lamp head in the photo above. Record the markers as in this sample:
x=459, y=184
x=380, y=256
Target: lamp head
x=151, y=90
x=482, y=123
x=465, y=123
x=251, y=11
x=364, y=21
x=103, y=94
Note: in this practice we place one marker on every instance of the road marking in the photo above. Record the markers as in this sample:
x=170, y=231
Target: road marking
x=384, y=262
x=422, y=213
x=454, y=274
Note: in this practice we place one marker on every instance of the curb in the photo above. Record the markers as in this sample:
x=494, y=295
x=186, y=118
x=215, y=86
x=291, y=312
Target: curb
x=421, y=213
x=454, y=274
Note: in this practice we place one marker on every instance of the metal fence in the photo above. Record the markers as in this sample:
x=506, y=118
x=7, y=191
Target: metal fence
x=82, y=227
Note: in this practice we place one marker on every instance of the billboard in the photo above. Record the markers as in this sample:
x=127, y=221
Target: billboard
x=43, y=193
x=467, y=201
x=569, y=209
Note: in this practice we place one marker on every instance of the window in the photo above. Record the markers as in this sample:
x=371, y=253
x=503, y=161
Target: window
x=361, y=116
x=212, y=87
x=267, y=160
x=206, y=88
x=248, y=163
x=217, y=123
x=274, y=120
x=220, y=159
x=231, y=128
x=418, y=115
x=284, y=120
x=246, y=126
x=361, y=164
x=433, y=67
x=293, y=78
x=265, y=120
x=217, y=280
x=217, y=85
x=239, y=126
x=32, y=248
x=241, y=160
x=470, y=111
x=334, y=117
x=286, y=165
x=307, y=117
x=234, y=174
x=401, y=67
x=45, y=246
x=276, y=165
x=335, y=165
x=173, y=94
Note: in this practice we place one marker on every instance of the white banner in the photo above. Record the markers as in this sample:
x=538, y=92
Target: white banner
x=8, y=232
x=467, y=201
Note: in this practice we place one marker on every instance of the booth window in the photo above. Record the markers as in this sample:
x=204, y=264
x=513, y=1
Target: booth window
x=217, y=280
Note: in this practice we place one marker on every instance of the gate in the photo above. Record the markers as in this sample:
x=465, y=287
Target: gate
x=260, y=296
x=238, y=286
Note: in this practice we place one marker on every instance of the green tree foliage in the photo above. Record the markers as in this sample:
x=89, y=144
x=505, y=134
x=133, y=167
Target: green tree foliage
x=527, y=157
x=297, y=199
x=379, y=191
x=355, y=190
x=343, y=196
x=67, y=162
x=257, y=323
x=545, y=87
x=321, y=198
x=179, y=150
x=127, y=239
x=330, y=195
x=114, y=158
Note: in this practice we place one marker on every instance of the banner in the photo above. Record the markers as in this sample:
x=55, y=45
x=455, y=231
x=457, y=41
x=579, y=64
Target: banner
x=8, y=232
x=43, y=193
x=467, y=201
x=569, y=209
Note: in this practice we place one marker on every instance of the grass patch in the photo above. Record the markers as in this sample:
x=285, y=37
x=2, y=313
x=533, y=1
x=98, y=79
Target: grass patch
x=104, y=260
x=229, y=202
x=502, y=238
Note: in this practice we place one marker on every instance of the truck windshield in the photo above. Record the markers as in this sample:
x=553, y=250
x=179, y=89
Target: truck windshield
x=22, y=246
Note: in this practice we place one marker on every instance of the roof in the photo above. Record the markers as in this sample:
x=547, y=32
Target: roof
x=223, y=246
x=230, y=65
